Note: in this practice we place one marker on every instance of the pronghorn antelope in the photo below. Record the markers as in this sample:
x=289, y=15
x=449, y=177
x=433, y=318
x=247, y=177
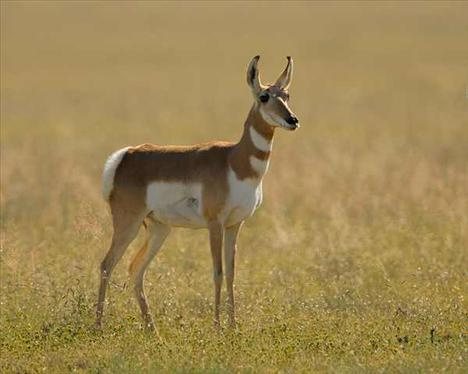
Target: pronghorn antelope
x=215, y=185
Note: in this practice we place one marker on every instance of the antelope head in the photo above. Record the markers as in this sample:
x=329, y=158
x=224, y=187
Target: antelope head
x=272, y=100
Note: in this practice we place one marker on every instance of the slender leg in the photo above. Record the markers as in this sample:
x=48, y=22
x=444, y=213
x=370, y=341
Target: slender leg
x=125, y=230
x=230, y=247
x=157, y=233
x=216, y=244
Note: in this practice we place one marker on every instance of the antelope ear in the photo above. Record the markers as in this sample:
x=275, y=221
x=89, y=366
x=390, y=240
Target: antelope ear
x=253, y=76
x=284, y=80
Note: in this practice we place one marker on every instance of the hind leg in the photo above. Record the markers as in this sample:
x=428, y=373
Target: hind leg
x=157, y=233
x=125, y=230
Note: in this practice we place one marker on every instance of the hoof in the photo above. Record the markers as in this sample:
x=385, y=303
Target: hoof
x=148, y=323
x=97, y=326
x=150, y=327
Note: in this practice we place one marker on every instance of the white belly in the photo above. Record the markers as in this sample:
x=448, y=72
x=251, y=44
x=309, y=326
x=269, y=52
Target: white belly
x=179, y=204
x=176, y=204
x=245, y=196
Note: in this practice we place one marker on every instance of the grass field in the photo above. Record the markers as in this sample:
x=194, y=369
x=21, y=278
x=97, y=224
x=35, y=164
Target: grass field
x=357, y=260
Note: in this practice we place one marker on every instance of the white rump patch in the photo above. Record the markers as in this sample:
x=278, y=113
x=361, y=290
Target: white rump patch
x=109, y=171
x=259, y=141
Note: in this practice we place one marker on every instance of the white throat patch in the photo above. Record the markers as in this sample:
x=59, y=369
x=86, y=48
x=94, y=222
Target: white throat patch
x=259, y=166
x=259, y=141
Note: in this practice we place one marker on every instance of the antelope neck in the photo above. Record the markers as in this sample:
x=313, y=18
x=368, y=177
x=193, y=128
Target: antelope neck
x=254, y=148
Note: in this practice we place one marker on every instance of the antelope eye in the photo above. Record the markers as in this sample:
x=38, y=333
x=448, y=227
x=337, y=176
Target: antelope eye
x=264, y=97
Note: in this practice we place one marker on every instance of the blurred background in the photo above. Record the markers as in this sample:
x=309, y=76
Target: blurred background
x=369, y=198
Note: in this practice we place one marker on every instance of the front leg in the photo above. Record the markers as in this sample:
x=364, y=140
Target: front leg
x=230, y=247
x=216, y=243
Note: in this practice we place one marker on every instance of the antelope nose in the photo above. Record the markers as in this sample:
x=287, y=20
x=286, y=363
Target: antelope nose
x=292, y=120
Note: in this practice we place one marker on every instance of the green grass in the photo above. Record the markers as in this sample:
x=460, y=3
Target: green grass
x=356, y=262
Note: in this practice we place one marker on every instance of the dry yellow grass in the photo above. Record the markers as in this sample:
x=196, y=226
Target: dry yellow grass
x=360, y=248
